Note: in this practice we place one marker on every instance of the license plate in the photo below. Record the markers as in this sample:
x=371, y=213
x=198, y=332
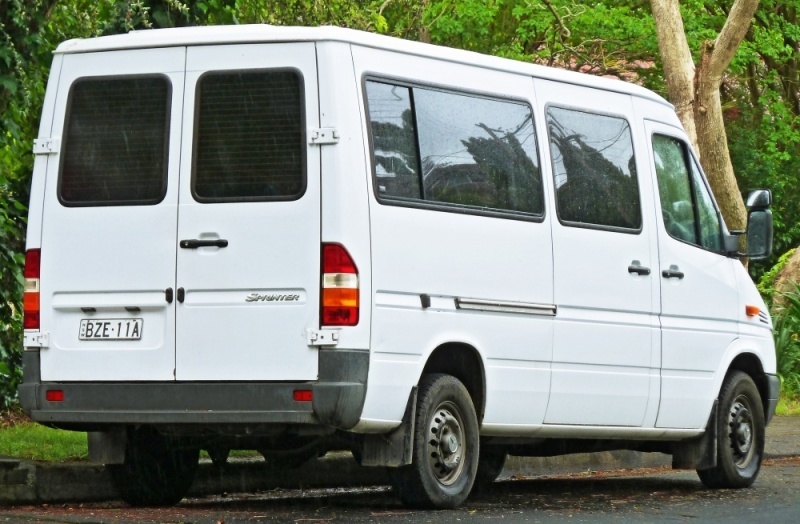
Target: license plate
x=111, y=329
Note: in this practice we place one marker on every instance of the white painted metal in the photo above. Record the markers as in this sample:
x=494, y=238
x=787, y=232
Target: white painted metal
x=452, y=255
x=110, y=257
x=273, y=248
x=604, y=360
x=699, y=316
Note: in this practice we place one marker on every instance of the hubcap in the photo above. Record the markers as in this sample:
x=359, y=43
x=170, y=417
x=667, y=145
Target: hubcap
x=446, y=443
x=741, y=432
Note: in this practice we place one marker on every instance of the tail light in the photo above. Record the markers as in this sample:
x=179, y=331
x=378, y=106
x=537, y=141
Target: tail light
x=339, y=287
x=30, y=297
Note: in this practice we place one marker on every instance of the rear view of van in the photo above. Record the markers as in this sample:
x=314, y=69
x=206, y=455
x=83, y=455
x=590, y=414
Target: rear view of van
x=296, y=240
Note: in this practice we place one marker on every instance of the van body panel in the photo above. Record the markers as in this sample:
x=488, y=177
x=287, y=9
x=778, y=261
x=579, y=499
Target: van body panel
x=248, y=306
x=453, y=254
x=104, y=259
x=344, y=188
x=603, y=351
x=698, y=313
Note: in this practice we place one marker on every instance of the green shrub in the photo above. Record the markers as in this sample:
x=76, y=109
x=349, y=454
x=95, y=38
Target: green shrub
x=787, y=341
x=766, y=284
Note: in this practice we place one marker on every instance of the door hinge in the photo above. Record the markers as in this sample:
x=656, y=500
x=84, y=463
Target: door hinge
x=46, y=146
x=323, y=135
x=323, y=337
x=36, y=339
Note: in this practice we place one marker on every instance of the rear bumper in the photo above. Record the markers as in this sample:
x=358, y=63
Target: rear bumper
x=338, y=398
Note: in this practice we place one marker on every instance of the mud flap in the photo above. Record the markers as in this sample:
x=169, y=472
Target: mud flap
x=108, y=447
x=701, y=452
x=393, y=449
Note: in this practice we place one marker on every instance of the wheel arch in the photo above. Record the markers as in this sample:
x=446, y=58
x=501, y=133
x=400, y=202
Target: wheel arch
x=464, y=362
x=750, y=364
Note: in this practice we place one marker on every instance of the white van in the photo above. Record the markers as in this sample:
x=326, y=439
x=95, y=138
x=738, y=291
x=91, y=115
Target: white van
x=296, y=240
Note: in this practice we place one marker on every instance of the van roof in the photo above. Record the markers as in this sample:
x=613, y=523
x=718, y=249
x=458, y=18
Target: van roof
x=253, y=33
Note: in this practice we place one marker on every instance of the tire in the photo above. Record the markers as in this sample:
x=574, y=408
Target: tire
x=740, y=435
x=490, y=465
x=154, y=473
x=445, y=456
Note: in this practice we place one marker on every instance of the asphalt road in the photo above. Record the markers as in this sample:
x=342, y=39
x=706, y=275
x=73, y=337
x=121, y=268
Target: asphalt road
x=654, y=495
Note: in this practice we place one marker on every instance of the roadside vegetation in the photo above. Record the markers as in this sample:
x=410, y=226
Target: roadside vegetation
x=759, y=94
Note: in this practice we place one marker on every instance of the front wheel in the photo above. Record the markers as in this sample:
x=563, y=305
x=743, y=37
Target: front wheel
x=740, y=435
x=445, y=457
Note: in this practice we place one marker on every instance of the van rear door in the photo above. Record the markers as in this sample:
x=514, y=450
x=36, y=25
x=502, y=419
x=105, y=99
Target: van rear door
x=109, y=219
x=248, y=259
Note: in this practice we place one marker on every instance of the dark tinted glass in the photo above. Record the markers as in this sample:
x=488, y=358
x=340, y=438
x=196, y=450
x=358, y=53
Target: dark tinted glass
x=249, y=137
x=594, y=169
x=115, y=146
x=452, y=148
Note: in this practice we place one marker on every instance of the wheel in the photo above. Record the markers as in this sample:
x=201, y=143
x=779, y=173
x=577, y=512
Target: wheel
x=740, y=435
x=154, y=473
x=445, y=456
x=490, y=465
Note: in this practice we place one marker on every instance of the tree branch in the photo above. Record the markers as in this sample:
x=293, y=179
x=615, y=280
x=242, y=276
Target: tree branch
x=728, y=40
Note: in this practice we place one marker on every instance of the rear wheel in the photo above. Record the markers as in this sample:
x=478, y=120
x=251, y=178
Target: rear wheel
x=740, y=435
x=445, y=457
x=155, y=473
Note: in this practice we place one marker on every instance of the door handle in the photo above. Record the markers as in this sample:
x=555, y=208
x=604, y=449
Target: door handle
x=673, y=272
x=168, y=295
x=181, y=294
x=638, y=268
x=195, y=243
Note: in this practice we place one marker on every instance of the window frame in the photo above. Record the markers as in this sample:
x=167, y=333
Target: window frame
x=65, y=135
x=588, y=225
x=447, y=207
x=303, y=139
x=689, y=158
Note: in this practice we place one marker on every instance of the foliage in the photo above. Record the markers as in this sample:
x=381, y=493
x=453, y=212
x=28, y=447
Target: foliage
x=787, y=341
x=766, y=284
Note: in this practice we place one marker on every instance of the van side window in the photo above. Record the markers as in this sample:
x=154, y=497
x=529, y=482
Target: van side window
x=686, y=204
x=115, y=142
x=440, y=147
x=594, y=170
x=249, y=137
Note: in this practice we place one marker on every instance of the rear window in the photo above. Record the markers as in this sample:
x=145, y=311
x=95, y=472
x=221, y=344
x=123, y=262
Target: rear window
x=115, y=142
x=249, y=137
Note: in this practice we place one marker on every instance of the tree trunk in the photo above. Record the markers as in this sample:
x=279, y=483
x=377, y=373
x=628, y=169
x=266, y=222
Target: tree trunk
x=695, y=94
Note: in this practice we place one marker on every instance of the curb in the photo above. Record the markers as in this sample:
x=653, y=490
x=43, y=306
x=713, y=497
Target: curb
x=25, y=482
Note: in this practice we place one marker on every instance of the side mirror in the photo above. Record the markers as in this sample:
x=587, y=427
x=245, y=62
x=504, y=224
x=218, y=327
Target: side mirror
x=759, y=224
x=759, y=200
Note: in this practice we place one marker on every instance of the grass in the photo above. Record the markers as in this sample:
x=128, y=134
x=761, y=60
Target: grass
x=788, y=405
x=36, y=442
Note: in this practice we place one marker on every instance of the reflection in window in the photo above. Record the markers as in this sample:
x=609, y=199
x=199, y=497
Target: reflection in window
x=686, y=204
x=394, y=146
x=455, y=149
x=594, y=169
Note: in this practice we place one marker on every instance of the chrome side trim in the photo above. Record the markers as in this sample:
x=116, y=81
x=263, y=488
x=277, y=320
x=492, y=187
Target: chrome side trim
x=506, y=307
